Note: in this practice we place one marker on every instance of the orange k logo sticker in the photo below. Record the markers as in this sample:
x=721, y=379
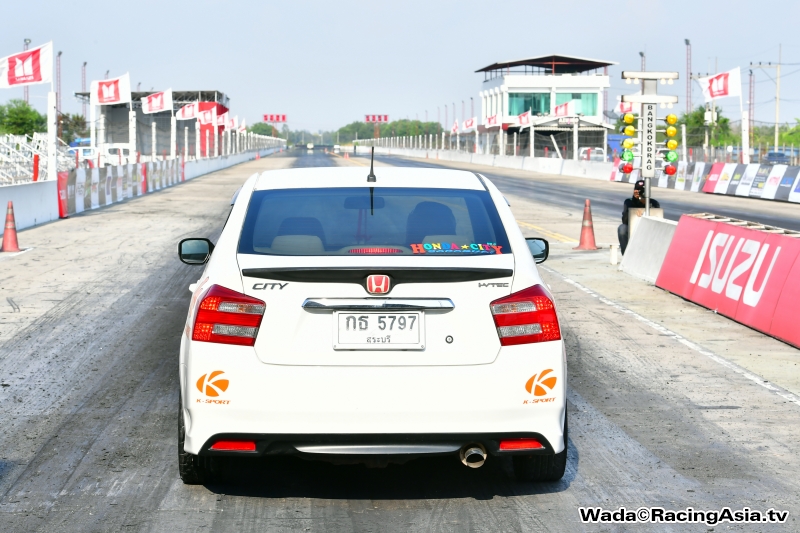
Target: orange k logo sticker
x=540, y=384
x=212, y=386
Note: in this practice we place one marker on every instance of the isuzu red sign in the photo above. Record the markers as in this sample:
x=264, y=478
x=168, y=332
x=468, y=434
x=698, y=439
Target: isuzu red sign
x=722, y=85
x=274, y=118
x=748, y=275
x=377, y=118
x=28, y=67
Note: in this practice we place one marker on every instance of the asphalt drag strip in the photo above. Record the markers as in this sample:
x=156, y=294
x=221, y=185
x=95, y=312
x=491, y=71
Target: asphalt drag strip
x=89, y=404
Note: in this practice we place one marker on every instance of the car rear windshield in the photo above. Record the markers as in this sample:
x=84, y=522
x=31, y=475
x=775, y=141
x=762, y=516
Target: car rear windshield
x=379, y=221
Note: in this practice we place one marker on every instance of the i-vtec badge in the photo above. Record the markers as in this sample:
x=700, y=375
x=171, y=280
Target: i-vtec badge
x=270, y=286
x=378, y=284
x=492, y=284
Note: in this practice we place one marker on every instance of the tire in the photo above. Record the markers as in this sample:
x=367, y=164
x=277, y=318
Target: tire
x=542, y=467
x=193, y=469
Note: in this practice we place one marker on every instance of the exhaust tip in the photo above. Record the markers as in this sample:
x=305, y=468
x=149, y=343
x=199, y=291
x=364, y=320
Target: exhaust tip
x=473, y=455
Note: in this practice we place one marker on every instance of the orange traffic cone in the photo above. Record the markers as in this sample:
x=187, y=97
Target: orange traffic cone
x=346, y=155
x=10, y=243
x=587, y=230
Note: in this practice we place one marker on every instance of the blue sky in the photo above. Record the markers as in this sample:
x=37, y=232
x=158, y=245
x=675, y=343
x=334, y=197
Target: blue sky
x=325, y=64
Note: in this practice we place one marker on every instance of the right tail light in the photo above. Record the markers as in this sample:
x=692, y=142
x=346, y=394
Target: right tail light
x=227, y=317
x=526, y=317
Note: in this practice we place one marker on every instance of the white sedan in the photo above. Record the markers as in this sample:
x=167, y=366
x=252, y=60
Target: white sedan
x=371, y=319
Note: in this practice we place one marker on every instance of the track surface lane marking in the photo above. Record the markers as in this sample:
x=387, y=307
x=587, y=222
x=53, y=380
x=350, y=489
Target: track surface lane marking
x=758, y=380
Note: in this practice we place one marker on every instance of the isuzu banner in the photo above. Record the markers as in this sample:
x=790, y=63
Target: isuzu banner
x=28, y=67
x=113, y=91
x=157, y=102
x=744, y=274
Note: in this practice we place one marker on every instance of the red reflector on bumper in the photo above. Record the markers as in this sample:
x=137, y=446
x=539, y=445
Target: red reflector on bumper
x=520, y=444
x=234, y=446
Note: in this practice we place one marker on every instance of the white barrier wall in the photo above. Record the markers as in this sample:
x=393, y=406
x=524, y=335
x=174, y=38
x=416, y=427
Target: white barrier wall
x=648, y=247
x=37, y=202
x=565, y=167
x=34, y=203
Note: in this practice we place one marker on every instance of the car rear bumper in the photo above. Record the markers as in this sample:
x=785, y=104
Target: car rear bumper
x=279, y=406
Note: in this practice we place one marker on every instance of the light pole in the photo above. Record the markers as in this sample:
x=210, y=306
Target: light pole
x=83, y=87
x=688, y=76
x=107, y=73
x=641, y=54
x=26, y=42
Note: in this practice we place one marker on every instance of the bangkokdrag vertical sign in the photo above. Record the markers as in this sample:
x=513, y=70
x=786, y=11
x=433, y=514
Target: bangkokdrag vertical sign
x=648, y=140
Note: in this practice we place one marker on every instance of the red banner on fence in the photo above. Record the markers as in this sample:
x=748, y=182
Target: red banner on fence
x=750, y=276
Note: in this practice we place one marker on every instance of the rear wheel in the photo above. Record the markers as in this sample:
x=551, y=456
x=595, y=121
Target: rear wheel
x=542, y=467
x=193, y=469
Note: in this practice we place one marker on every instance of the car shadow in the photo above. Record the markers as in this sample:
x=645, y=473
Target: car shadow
x=441, y=477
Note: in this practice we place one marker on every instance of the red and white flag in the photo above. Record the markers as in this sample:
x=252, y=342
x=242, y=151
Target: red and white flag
x=113, y=91
x=524, y=119
x=222, y=120
x=454, y=129
x=209, y=116
x=492, y=121
x=157, y=102
x=28, y=67
x=187, y=112
x=231, y=125
x=469, y=124
x=627, y=107
x=243, y=126
x=565, y=110
x=722, y=85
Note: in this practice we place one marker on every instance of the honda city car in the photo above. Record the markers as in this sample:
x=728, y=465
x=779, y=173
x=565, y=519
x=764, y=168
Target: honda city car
x=375, y=319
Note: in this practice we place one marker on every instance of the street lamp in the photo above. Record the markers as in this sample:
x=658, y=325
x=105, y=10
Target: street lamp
x=641, y=54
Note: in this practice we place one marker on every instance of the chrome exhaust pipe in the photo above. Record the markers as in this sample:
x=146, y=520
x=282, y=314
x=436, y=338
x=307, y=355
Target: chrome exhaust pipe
x=473, y=455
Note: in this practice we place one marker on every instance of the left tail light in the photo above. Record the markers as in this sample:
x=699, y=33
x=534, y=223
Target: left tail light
x=227, y=317
x=526, y=317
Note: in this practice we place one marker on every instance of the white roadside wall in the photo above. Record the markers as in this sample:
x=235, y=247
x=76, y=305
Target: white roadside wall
x=37, y=203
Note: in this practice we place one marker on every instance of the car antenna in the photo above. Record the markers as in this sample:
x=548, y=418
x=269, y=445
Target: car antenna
x=371, y=177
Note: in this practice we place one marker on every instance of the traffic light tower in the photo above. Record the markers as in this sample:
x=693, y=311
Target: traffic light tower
x=649, y=99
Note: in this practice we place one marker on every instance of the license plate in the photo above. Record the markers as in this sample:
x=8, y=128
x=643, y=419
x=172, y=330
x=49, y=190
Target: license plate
x=378, y=331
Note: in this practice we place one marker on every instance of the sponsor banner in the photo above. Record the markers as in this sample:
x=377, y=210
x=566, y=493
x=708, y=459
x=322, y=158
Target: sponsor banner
x=107, y=196
x=94, y=195
x=701, y=170
x=737, y=272
x=189, y=111
x=713, y=177
x=27, y=68
x=724, y=180
x=157, y=102
x=794, y=196
x=747, y=179
x=684, y=169
x=790, y=178
x=112, y=91
x=759, y=181
x=773, y=181
x=721, y=85
x=63, y=187
x=663, y=180
x=738, y=172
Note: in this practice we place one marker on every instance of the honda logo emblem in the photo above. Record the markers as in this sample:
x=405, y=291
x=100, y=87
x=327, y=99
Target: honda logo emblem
x=378, y=284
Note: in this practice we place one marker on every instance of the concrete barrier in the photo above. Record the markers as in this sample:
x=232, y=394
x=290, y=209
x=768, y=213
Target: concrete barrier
x=37, y=202
x=648, y=247
x=34, y=203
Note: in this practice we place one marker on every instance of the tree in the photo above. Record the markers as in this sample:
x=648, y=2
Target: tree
x=719, y=133
x=262, y=128
x=73, y=127
x=19, y=118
